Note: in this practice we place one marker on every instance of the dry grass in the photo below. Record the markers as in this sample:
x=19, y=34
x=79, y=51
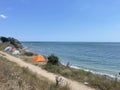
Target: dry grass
x=3, y=46
x=97, y=81
x=12, y=77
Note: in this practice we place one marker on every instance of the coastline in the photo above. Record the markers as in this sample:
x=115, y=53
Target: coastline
x=109, y=76
x=79, y=75
x=50, y=49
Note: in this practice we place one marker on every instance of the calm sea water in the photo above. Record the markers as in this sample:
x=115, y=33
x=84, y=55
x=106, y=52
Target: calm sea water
x=102, y=58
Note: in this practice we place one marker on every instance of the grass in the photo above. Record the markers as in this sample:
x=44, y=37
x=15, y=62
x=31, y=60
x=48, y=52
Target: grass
x=3, y=46
x=96, y=81
x=93, y=80
x=12, y=77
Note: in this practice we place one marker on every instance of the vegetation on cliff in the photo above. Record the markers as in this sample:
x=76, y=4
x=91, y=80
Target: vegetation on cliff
x=11, y=41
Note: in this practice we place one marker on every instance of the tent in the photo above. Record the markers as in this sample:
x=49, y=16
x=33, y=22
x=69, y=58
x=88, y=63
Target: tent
x=8, y=48
x=16, y=52
x=39, y=58
x=13, y=49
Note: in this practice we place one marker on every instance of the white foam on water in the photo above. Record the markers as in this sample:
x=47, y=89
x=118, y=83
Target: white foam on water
x=98, y=73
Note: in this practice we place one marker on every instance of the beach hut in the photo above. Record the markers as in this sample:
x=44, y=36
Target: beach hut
x=39, y=58
x=16, y=52
x=8, y=49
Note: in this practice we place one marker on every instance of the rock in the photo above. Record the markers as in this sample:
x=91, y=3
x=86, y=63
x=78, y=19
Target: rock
x=86, y=83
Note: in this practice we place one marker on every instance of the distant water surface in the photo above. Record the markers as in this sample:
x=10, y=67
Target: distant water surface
x=101, y=57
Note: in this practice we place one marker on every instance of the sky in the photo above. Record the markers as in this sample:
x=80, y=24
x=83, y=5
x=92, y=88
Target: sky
x=61, y=20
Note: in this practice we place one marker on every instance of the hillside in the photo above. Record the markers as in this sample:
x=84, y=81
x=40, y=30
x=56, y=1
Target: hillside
x=12, y=77
x=11, y=41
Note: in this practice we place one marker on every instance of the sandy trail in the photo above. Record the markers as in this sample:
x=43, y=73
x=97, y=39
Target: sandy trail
x=50, y=76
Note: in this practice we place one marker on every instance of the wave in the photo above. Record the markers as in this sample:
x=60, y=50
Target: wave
x=110, y=76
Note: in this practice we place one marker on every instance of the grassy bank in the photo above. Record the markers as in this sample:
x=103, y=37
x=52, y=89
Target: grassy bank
x=12, y=77
x=96, y=81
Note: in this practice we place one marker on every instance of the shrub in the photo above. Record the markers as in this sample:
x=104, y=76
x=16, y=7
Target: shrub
x=28, y=53
x=52, y=59
x=12, y=41
x=4, y=39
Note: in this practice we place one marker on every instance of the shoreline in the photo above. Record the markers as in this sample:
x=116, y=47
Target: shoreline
x=109, y=76
x=108, y=71
x=80, y=75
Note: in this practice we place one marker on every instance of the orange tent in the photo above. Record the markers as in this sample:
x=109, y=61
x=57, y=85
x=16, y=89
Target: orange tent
x=39, y=58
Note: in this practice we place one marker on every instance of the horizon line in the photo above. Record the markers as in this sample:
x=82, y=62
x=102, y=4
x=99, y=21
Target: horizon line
x=78, y=41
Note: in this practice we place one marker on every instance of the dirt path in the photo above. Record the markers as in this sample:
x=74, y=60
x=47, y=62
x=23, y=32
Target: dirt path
x=50, y=76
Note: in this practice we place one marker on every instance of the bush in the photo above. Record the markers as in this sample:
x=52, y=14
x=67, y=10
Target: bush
x=52, y=59
x=4, y=39
x=12, y=41
x=28, y=53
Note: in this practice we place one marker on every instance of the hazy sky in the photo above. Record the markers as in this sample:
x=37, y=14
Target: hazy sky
x=61, y=20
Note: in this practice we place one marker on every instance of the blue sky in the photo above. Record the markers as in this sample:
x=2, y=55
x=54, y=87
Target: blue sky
x=61, y=20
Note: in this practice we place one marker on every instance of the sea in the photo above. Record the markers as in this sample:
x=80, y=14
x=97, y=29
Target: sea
x=97, y=57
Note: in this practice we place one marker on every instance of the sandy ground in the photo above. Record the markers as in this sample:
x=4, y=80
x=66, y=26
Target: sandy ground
x=50, y=76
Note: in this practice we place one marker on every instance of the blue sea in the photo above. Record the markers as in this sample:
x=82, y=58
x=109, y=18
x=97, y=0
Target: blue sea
x=99, y=58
